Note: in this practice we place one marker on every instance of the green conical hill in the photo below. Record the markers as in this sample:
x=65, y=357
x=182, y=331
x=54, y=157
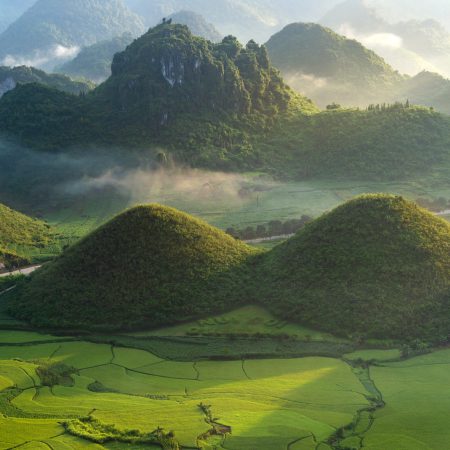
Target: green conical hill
x=149, y=266
x=378, y=266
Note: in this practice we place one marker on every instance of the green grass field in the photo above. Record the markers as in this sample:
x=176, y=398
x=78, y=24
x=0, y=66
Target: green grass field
x=267, y=404
x=416, y=412
x=248, y=320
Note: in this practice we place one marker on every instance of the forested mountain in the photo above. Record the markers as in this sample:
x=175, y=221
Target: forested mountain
x=94, y=62
x=54, y=30
x=189, y=75
x=11, y=77
x=223, y=106
x=167, y=87
x=384, y=142
x=331, y=68
x=12, y=10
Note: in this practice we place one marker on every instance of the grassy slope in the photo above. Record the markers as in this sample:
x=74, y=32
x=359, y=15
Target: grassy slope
x=19, y=229
x=19, y=234
x=378, y=266
x=150, y=265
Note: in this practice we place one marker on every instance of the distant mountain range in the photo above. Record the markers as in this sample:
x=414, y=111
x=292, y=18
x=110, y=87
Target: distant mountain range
x=54, y=30
x=12, y=10
x=409, y=46
x=197, y=24
x=246, y=19
x=330, y=68
x=11, y=77
x=94, y=62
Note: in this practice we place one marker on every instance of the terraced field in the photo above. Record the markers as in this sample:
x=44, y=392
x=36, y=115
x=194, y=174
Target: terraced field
x=63, y=394
x=244, y=404
x=249, y=320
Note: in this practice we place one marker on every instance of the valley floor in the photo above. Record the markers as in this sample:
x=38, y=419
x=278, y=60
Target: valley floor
x=49, y=383
x=241, y=201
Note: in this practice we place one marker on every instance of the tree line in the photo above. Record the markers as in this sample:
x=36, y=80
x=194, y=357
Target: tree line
x=269, y=229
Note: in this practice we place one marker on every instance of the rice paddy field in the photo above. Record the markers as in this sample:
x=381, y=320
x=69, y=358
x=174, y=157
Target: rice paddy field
x=67, y=393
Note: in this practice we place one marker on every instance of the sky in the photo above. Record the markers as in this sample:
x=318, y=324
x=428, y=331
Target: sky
x=400, y=10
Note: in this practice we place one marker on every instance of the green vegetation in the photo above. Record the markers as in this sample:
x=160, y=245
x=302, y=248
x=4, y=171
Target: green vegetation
x=223, y=106
x=266, y=404
x=181, y=268
x=249, y=321
x=413, y=417
x=247, y=403
x=378, y=253
x=95, y=431
x=10, y=77
x=12, y=261
x=375, y=355
x=168, y=102
x=20, y=236
x=273, y=228
x=392, y=142
x=377, y=266
x=8, y=281
x=18, y=229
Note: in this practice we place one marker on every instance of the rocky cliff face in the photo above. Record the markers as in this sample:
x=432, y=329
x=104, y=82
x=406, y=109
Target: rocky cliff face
x=169, y=71
x=7, y=85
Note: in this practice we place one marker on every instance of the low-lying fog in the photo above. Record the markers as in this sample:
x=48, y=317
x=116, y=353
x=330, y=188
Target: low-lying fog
x=29, y=177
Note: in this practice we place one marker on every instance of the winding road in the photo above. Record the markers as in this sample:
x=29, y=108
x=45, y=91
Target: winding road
x=24, y=271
